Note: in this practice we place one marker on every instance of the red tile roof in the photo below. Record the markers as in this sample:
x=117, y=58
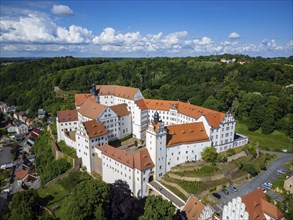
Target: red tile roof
x=67, y=115
x=20, y=174
x=80, y=98
x=94, y=128
x=256, y=205
x=186, y=133
x=140, y=160
x=193, y=208
x=120, y=109
x=214, y=118
x=119, y=91
x=91, y=109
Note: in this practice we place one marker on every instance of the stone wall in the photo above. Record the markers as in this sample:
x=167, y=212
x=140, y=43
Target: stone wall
x=236, y=156
x=198, y=179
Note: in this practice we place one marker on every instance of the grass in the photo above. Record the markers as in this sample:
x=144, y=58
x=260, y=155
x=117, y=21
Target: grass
x=54, y=130
x=67, y=150
x=194, y=187
x=206, y=170
x=279, y=182
x=55, y=195
x=276, y=141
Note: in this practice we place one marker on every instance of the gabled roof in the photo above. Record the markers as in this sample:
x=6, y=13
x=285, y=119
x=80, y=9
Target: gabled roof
x=214, y=118
x=80, y=98
x=66, y=116
x=193, y=208
x=94, y=128
x=140, y=160
x=186, y=133
x=20, y=174
x=256, y=205
x=91, y=109
x=120, y=109
x=115, y=90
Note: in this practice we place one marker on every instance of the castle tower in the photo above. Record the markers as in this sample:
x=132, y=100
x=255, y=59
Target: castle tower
x=95, y=93
x=156, y=137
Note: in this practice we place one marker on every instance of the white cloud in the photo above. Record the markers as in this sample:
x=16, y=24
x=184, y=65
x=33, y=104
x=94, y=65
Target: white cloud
x=36, y=33
x=234, y=35
x=37, y=29
x=61, y=10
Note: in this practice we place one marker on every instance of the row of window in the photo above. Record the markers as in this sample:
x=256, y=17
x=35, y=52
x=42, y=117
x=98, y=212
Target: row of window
x=65, y=124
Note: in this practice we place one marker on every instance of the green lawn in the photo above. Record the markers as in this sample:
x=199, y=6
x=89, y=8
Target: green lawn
x=55, y=195
x=275, y=141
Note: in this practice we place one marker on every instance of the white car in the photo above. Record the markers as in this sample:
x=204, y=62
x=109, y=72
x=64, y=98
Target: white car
x=267, y=185
x=281, y=171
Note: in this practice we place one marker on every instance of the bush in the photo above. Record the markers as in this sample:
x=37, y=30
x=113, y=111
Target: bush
x=251, y=169
x=213, y=189
x=231, y=152
x=251, y=150
x=263, y=166
x=46, y=165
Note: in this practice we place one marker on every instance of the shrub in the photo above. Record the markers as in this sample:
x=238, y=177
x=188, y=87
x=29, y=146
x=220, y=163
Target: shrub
x=251, y=169
x=251, y=150
x=231, y=152
x=213, y=189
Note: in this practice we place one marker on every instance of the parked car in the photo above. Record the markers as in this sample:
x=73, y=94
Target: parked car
x=225, y=191
x=233, y=188
x=217, y=195
x=281, y=171
x=267, y=185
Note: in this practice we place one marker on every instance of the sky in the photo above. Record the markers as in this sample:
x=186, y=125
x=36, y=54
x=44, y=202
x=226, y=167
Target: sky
x=145, y=28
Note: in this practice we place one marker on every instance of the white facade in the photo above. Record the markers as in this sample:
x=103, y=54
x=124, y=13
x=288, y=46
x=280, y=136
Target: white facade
x=235, y=210
x=85, y=147
x=62, y=127
x=219, y=133
x=21, y=128
x=113, y=170
x=156, y=145
x=185, y=152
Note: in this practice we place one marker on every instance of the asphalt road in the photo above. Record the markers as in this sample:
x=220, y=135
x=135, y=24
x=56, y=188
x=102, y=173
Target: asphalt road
x=270, y=175
x=166, y=193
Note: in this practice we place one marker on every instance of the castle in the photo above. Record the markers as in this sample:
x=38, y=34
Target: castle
x=168, y=132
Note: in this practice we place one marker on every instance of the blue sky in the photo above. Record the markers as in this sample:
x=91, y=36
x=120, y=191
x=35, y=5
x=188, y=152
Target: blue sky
x=146, y=28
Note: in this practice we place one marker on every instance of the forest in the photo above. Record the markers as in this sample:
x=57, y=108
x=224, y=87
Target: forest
x=259, y=92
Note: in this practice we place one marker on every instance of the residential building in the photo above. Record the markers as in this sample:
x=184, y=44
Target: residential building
x=41, y=113
x=66, y=121
x=288, y=184
x=21, y=128
x=133, y=166
x=194, y=209
x=252, y=206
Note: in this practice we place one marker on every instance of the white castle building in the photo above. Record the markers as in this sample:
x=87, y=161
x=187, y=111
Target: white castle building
x=174, y=132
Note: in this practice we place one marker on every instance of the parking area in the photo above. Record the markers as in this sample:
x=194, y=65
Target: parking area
x=5, y=155
x=270, y=175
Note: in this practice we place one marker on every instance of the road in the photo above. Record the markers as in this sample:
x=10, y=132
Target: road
x=161, y=189
x=270, y=175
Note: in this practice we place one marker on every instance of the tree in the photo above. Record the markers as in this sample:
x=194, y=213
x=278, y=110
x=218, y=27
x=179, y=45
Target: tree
x=122, y=204
x=73, y=178
x=268, y=124
x=90, y=200
x=251, y=169
x=25, y=205
x=157, y=208
x=209, y=154
x=212, y=103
